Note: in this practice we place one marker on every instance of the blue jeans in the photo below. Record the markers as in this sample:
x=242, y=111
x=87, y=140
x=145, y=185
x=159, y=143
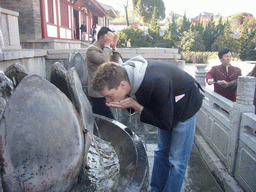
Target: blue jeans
x=172, y=155
x=99, y=107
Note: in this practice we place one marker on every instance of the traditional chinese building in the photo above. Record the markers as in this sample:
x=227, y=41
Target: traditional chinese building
x=56, y=20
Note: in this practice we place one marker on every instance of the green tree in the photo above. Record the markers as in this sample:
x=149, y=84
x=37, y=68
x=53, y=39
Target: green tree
x=251, y=47
x=172, y=35
x=145, y=8
x=238, y=19
x=219, y=30
x=137, y=37
x=243, y=41
x=154, y=29
x=191, y=41
x=197, y=27
x=209, y=34
x=226, y=39
x=185, y=24
x=179, y=22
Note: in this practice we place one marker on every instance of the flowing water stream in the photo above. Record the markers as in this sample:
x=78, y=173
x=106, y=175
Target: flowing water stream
x=103, y=168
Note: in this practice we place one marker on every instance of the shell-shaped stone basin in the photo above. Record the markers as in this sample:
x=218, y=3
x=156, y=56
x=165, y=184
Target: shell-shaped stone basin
x=42, y=143
x=46, y=131
x=134, y=168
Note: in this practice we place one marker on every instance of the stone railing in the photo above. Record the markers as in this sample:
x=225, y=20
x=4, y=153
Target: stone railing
x=32, y=60
x=39, y=61
x=229, y=128
x=150, y=53
x=168, y=54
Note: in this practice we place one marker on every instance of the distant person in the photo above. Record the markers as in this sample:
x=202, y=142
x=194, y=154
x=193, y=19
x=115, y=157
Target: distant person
x=101, y=51
x=83, y=28
x=128, y=43
x=225, y=72
x=93, y=33
x=165, y=96
x=232, y=85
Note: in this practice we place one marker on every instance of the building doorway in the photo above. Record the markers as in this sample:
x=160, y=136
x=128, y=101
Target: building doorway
x=76, y=24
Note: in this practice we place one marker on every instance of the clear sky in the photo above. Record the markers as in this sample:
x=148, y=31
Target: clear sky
x=195, y=7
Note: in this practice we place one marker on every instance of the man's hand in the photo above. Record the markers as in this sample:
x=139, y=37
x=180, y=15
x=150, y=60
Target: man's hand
x=126, y=103
x=223, y=83
x=114, y=41
x=210, y=81
x=108, y=39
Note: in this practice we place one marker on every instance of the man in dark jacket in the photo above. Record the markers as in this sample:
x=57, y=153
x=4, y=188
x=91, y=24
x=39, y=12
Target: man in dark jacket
x=166, y=97
x=83, y=28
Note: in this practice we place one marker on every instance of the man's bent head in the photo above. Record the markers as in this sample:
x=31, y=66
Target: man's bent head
x=109, y=75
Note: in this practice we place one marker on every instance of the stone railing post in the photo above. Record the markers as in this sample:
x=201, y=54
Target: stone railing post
x=244, y=103
x=200, y=73
x=181, y=64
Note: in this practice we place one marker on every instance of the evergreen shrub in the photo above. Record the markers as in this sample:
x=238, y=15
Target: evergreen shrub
x=198, y=57
x=137, y=37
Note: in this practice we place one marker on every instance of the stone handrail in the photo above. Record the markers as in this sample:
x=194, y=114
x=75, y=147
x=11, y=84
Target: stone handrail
x=150, y=53
x=229, y=128
x=245, y=163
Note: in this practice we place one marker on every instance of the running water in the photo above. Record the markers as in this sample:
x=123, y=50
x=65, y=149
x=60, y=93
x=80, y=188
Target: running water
x=104, y=164
x=104, y=168
x=98, y=131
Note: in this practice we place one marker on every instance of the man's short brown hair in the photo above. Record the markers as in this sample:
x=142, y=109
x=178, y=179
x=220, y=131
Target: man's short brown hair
x=109, y=75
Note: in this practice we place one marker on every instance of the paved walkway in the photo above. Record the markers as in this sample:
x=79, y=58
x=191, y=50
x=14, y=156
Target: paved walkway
x=198, y=177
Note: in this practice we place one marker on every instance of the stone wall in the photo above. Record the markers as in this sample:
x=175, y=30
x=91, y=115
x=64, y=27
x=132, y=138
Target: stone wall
x=56, y=44
x=29, y=17
x=151, y=53
x=10, y=29
x=32, y=60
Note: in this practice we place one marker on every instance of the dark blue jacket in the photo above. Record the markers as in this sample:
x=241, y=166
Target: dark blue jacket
x=162, y=82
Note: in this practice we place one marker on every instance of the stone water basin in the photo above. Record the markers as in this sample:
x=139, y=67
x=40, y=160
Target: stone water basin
x=134, y=169
x=46, y=130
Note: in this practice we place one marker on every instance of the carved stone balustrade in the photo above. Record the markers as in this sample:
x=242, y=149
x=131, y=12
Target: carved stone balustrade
x=200, y=73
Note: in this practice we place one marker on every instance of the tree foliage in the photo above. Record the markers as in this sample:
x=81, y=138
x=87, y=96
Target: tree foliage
x=185, y=24
x=251, y=48
x=137, y=37
x=209, y=34
x=225, y=39
x=172, y=35
x=247, y=40
x=193, y=37
x=192, y=41
x=238, y=19
x=243, y=40
x=145, y=8
x=154, y=28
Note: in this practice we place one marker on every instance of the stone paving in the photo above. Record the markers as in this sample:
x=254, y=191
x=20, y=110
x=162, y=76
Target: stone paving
x=198, y=177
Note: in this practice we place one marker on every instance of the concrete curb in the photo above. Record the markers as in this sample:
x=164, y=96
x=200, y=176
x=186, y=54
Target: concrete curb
x=218, y=170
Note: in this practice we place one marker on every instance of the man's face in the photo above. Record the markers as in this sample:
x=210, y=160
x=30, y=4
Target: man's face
x=114, y=95
x=226, y=59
